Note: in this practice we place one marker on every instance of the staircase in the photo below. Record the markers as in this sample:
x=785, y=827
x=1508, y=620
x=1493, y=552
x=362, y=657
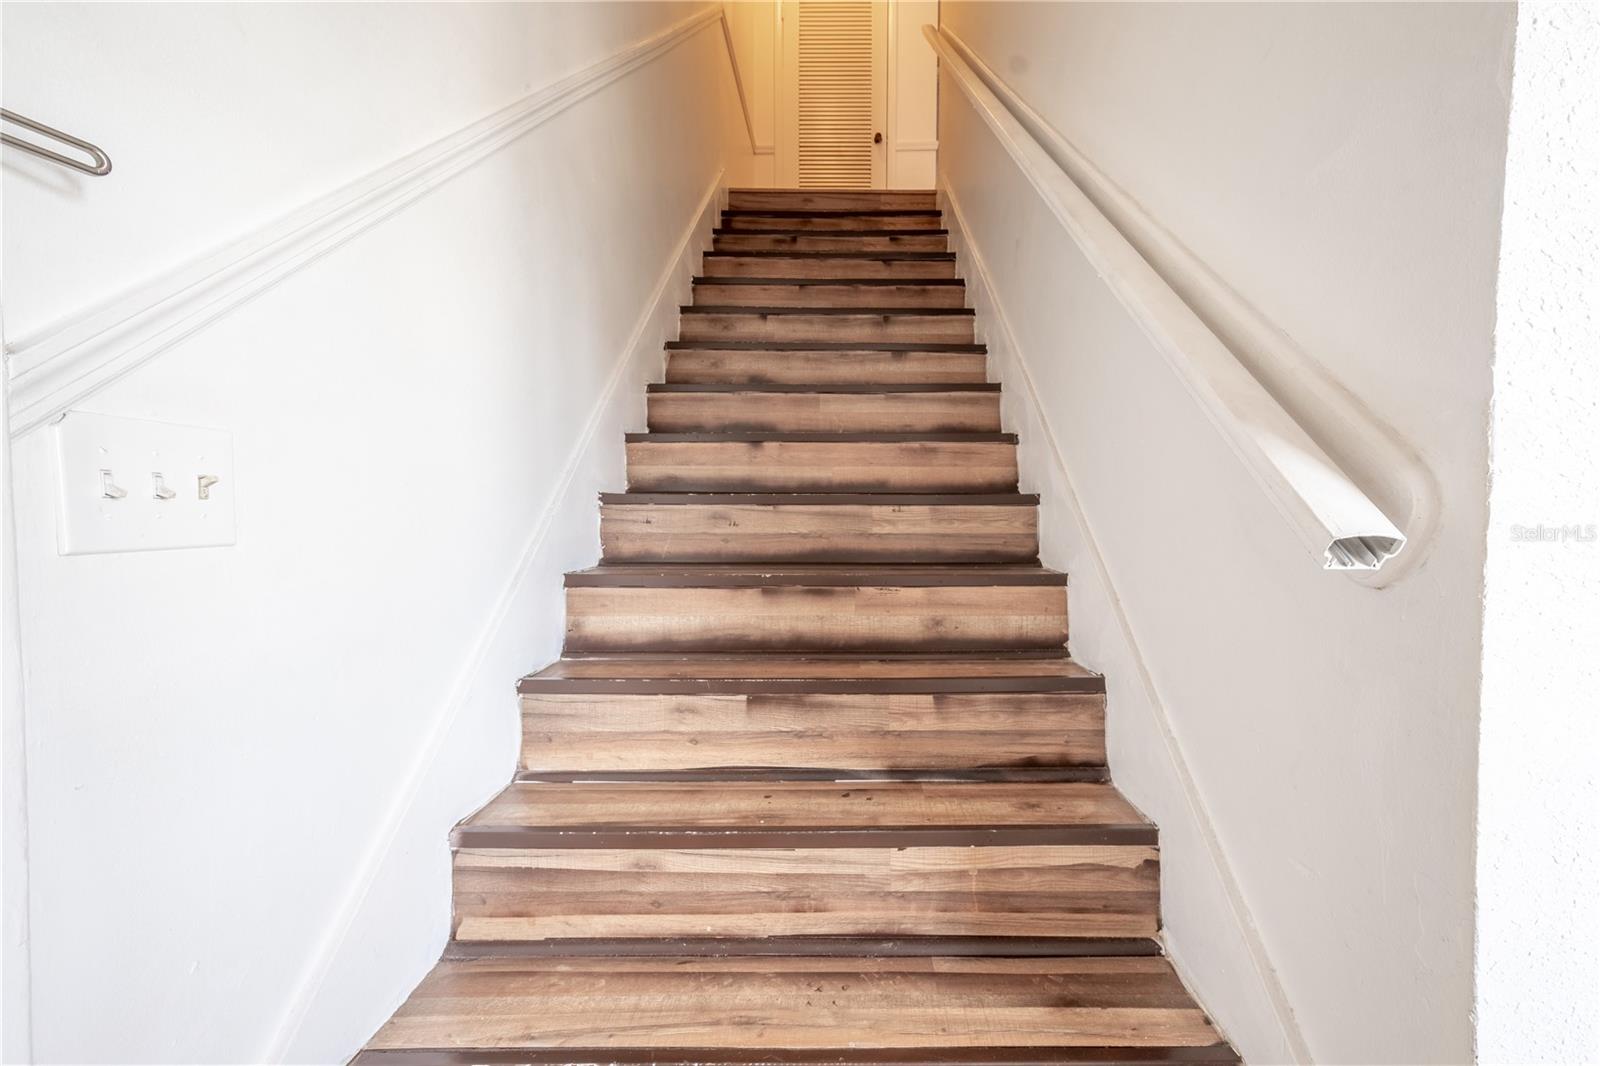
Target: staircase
x=815, y=780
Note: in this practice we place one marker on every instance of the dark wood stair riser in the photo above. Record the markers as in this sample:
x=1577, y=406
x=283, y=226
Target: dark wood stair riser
x=763, y=858
x=643, y=733
x=832, y=200
x=946, y=532
x=830, y=242
x=769, y=292
x=902, y=327
x=895, y=890
x=712, y=366
x=815, y=619
x=827, y=222
x=667, y=465
x=825, y=412
x=773, y=265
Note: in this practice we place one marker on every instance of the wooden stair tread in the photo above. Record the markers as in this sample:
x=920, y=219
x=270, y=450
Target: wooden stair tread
x=821, y=438
x=819, y=528
x=801, y=389
x=804, y=807
x=819, y=674
x=818, y=280
x=827, y=212
x=883, y=256
x=829, y=292
x=822, y=499
x=754, y=1010
x=840, y=325
x=842, y=347
x=785, y=946
x=869, y=462
x=848, y=312
x=816, y=782
x=726, y=240
x=829, y=221
x=829, y=197
x=929, y=231
x=908, y=575
x=965, y=408
x=754, y=366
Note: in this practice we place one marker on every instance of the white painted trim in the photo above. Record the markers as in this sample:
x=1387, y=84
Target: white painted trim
x=983, y=296
x=665, y=296
x=891, y=127
x=917, y=146
x=16, y=927
x=1327, y=511
x=60, y=365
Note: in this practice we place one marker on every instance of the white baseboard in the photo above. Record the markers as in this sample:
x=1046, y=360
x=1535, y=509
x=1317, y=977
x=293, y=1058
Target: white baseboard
x=1004, y=354
x=655, y=324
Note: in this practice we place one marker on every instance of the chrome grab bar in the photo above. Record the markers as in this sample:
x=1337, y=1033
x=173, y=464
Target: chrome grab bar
x=102, y=162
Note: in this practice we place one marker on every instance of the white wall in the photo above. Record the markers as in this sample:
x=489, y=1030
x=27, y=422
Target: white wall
x=1538, y=944
x=243, y=762
x=1306, y=743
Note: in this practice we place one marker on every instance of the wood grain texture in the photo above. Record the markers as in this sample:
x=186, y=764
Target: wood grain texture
x=795, y=575
x=711, y=366
x=733, y=265
x=1213, y=1055
x=853, y=669
x=815, y=783
x=819, y=466
x=698, y=324
x=832, y=199
x=771, y=293
x=799, y=1003
x=808, y=804
x=864, y=618
x=825, y=412
x=829, y=242
x=533, y=893
x=845, y=731
x=833, y=222
x=818, y=533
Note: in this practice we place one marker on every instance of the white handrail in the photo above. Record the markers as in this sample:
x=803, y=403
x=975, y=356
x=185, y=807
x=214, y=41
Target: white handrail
x=738, y=82
x=1338, y=522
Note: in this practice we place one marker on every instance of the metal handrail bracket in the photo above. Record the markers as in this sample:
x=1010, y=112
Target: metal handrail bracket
x=101, y=164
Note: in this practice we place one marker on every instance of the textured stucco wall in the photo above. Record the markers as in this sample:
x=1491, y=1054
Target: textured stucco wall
x=1538, y=947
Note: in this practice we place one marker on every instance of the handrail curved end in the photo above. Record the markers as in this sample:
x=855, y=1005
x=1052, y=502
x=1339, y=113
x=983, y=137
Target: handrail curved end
x=1361, y=553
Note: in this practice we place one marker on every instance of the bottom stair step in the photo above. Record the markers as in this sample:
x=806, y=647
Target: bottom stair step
x=799, y=1011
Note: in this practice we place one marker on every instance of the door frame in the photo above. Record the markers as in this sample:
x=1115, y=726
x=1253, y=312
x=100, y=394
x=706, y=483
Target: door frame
x=786, y=119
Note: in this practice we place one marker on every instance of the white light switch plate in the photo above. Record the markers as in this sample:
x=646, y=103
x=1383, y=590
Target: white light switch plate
x=101, y=455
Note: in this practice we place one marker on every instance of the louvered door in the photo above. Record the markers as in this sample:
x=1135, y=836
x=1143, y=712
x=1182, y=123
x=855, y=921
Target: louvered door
x=838, y=64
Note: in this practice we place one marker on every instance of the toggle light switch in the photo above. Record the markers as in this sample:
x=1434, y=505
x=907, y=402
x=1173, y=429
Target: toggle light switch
x=189, y=501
